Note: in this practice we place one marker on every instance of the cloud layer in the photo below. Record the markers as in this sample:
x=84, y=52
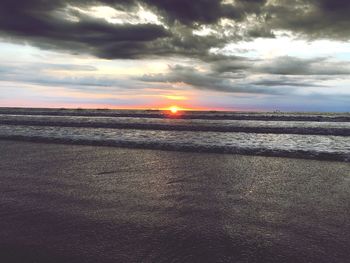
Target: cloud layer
x=198, y=32
x=58, y=24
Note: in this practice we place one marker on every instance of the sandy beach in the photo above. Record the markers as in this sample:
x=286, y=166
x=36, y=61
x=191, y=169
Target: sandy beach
x=66, y=203
x=174, y=131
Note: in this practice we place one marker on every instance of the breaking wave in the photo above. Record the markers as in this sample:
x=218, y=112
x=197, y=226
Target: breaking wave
x=248, y=126
x=268, y=134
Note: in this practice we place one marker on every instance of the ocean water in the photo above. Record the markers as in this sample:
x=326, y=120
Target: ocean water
x=70, y=203
x=254, y=126
x=215, y=115
x=317, y=136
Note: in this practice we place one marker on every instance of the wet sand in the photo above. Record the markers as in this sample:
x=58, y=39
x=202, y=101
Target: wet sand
x=65, y=203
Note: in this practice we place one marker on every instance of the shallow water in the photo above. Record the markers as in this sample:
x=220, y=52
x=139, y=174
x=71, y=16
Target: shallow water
x=68, y=203
x=270, y=144
x=293, y=127
x=274, y=136
x=216, y=115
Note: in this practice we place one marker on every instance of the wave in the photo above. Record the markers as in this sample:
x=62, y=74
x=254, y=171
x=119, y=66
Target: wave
x=275, y=127
x=281, y=145
x=208, y=115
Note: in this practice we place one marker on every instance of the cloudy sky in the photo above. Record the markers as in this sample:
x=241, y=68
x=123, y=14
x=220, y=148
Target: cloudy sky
x=289, y=55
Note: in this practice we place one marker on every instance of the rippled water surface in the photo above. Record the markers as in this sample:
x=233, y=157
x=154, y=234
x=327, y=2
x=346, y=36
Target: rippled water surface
x=200, y=198
x=217, y=141
x=327, y=138
x=68, y=203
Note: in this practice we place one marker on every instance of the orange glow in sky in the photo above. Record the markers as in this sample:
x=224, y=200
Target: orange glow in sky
x=175, y=97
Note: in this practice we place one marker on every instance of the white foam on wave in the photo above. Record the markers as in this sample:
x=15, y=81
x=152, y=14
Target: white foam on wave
x=215, y=115
x=265, y=144
x=296, y=127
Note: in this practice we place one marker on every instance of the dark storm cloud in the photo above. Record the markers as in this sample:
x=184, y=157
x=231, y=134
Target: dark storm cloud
x=205, y=11
x=313, y=18
x=45, y=24
x=35, y=21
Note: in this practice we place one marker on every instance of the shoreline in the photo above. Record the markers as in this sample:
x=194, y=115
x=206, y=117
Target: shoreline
x=240, y=126
x=299, y=154
x=102, y=204
x=186, y=131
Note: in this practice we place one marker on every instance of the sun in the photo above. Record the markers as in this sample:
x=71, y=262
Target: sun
x=174, y=109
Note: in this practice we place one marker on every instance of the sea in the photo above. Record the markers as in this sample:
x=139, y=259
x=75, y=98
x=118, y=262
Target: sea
x=301, y=135
x=64, y=198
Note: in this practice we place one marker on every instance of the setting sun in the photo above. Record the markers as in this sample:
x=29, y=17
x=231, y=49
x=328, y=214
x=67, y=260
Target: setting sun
x=174, y=109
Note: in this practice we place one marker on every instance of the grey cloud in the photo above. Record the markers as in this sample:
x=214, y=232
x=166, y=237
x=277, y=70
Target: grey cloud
x=286, y=65
x=37, y=74
x=283, y=75
x=205, y=11
x=297, y=66
x=68, y=67
x=231, y=64
x=35, y=22
x=32, y=69
x=38, y=23
x=313, y=18
x=212, y=81
x=281, y=82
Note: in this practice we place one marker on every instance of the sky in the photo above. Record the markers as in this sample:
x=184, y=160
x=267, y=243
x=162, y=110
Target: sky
x=247, y=55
